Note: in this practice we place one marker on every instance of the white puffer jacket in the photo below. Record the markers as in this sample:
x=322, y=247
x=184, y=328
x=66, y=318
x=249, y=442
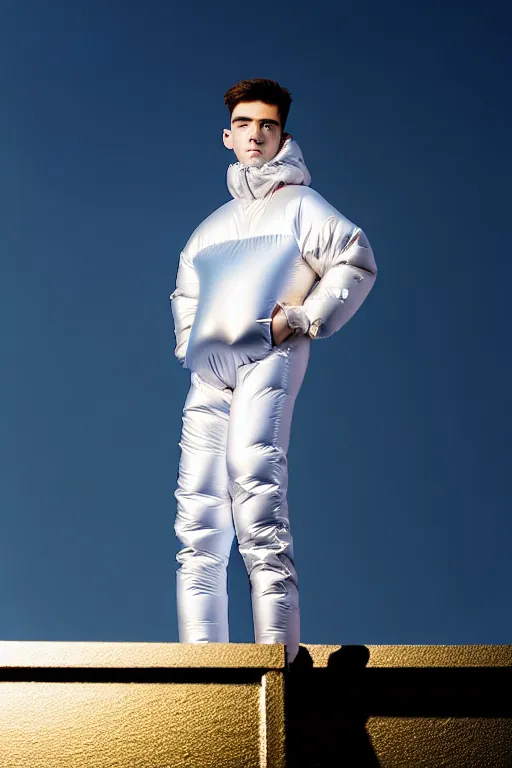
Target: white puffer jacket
x=277, y=241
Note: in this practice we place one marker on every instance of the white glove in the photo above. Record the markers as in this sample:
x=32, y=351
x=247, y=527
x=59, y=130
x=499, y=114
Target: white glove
x=296, y=317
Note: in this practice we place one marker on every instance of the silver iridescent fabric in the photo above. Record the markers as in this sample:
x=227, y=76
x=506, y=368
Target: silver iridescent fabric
x=277, y=242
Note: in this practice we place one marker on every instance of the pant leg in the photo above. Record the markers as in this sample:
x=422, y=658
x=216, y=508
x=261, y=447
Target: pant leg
x=204, y=522
x=258, y=438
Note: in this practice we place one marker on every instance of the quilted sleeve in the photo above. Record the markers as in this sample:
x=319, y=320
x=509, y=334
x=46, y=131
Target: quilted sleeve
x=345, y=264
x=184, y=303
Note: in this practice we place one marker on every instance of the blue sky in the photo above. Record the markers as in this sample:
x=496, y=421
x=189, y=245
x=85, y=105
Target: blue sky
x=111, y=154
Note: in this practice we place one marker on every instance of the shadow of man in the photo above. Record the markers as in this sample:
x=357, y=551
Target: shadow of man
x=326, y=711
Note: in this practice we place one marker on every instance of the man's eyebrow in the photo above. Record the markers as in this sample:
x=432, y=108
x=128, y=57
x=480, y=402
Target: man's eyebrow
x=250, y=119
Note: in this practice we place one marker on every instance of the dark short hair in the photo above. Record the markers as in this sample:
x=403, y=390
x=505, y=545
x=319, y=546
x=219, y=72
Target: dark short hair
x=260, y=89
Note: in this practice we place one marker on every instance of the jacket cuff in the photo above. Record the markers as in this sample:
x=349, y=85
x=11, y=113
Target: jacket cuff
x=296, y=318
x=314, y=328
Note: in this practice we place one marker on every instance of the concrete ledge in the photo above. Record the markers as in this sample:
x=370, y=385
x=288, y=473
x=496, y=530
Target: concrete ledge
x=14, y=654
x=157, y=705
x=142, y=705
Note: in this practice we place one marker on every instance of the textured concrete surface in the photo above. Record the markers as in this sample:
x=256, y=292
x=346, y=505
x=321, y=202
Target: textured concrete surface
x=142, y=705
x=157, y=705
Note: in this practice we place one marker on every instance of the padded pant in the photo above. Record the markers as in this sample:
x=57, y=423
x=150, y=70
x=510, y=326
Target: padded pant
x=233, y=478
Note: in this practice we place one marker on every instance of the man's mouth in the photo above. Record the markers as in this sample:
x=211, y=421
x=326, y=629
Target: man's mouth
x=255, y=150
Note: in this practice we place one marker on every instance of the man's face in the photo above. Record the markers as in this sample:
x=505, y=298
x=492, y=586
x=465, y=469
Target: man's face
x=255, y=135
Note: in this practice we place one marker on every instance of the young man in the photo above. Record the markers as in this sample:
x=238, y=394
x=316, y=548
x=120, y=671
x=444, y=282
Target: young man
x=263, y=275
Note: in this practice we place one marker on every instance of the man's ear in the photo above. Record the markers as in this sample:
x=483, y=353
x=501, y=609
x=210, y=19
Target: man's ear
x=227, y=138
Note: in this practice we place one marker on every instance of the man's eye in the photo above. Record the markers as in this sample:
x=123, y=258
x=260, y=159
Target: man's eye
x=265, y=125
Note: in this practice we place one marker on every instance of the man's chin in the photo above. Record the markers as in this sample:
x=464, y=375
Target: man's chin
x=256, y=161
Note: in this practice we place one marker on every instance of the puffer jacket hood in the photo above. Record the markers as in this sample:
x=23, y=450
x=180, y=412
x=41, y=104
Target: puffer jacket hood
x=287, y=167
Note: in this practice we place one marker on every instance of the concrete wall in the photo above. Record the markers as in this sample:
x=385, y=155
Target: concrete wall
x=168, y=705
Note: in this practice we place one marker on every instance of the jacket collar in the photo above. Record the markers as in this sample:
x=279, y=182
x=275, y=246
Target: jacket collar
x=249, y=182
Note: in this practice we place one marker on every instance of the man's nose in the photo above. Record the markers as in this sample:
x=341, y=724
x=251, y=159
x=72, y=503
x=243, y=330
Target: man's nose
x=255, y=135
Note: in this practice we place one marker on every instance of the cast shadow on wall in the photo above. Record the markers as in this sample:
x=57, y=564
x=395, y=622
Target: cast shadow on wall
x=429, y=715
x=326, y=712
